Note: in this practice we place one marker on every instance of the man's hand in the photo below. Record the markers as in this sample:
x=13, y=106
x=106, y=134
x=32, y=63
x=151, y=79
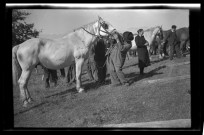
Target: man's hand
x=118, y=41
x=146, y=44
x=162, y=43
x=115, y=35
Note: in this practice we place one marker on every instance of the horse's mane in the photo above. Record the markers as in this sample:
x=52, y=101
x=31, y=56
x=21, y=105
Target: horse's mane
x=151, y=28
x=85, y=26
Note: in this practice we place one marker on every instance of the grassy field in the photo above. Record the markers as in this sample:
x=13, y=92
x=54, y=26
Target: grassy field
x=61, y=106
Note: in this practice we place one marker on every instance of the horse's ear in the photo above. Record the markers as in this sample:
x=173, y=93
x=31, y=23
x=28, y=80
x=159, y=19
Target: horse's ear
x=99, y=18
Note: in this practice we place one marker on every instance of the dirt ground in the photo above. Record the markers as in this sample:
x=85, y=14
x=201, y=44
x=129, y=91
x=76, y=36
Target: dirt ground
x=145, y=100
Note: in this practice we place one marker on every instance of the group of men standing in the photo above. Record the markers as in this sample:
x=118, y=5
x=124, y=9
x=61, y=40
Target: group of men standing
x=109, y=54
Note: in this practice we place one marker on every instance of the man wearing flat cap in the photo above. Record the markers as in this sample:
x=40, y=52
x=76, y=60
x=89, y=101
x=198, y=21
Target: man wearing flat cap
x=173, y=42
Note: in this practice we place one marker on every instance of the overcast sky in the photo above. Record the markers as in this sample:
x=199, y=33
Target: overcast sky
x=61, y=21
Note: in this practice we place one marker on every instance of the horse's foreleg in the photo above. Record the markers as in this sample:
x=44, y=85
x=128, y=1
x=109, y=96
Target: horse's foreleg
x=161, y=54
x=62, y=71
x=128, y=55
x=149, y=49
x=79, y=63
x=36, y=69
x=24, y=93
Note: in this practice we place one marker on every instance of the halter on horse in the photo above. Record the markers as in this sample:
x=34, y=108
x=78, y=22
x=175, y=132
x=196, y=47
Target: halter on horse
x=55, y=54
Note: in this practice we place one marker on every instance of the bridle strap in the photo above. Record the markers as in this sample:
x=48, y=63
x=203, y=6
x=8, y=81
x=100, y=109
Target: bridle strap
x=99, y=29
x=90, y=32
x=103, y=31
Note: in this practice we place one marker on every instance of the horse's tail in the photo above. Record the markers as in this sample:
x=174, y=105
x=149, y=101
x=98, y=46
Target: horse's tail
x=16, y=69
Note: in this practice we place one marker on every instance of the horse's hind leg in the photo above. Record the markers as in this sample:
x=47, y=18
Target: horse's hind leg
x=62, y=71
x=24, y=93
x=149, y=52
x=79, y=63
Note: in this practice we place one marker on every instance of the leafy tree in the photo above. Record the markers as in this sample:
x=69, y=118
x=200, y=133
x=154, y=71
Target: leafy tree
x=22, y=31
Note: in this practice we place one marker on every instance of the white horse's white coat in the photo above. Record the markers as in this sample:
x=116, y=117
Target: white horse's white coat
x=56, y=53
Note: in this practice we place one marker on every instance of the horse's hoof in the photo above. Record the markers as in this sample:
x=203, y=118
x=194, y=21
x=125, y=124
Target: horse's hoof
x=30, y=100
x=80, y=90
x=25, y=103
x=160, y=57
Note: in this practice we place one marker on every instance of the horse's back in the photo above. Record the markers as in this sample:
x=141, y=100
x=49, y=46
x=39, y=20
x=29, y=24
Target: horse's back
x=78, y=45
x=29, y=43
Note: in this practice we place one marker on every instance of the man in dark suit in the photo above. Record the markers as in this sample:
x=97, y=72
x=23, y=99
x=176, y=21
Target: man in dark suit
x=173, y=42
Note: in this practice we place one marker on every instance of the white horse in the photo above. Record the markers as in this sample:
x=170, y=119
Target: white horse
x=55, y=54
x=150, y=35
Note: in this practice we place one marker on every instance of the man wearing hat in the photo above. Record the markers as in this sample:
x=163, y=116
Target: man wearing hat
x=143, y=55
x=173, y=42
x=116, y=57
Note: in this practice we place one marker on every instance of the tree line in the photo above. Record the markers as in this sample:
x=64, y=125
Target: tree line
x=22, y=31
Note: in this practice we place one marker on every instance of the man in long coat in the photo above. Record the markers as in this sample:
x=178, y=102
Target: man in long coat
x=143, y=55
x=173, y=42
x=116, y=57
x=97, y=61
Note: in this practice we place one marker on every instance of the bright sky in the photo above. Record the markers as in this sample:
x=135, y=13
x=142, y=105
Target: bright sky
x=61, y=21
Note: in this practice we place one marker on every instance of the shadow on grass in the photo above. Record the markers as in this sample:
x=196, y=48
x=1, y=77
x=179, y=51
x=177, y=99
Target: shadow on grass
x=152, y=62
x=94, y=85
x=159, y=60
x=30, y=108
x=71, y=90
x=88, y=87
x=137, y=77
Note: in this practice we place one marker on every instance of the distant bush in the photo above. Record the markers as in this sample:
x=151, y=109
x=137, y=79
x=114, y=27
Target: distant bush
x=21, y=31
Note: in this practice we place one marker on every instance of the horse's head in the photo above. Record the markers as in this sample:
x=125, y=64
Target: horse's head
x=114, y=37
x=159, y=32
x=104, y=28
